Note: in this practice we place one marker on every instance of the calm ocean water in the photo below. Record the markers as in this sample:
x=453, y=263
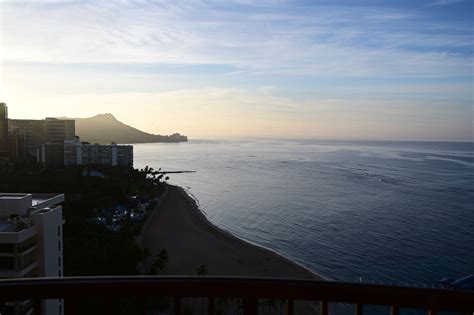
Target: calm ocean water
x=398, y=212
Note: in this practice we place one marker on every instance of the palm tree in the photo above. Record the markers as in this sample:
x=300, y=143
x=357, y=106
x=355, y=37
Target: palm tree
x=161, y=260
x=145, y=254
x=202, y=270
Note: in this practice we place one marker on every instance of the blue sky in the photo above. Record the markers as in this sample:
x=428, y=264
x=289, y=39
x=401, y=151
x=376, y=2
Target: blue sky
x=309, y=69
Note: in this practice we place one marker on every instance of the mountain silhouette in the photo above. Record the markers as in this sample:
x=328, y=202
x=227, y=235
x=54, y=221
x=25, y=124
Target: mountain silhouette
x=105, y=128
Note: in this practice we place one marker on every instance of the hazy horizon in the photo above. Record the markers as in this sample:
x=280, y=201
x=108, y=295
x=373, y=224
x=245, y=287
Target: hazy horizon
x=263, y=138
x=392, y=70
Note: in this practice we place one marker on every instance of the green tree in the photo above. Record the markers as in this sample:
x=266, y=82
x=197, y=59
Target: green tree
x=160, y=263
x=202, y=270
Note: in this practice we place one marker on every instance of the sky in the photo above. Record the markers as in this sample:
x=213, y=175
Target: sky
x=340, y=69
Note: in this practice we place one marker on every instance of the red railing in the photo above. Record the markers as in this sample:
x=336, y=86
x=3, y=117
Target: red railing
x=250, y=290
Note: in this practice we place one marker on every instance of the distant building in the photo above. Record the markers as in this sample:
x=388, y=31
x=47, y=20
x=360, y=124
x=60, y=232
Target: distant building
x=51, y=153
x=3, y=133
x=60, y=129
x=73, y=152
x=83, y=153
x=41, y=131
x=31, y=244
x=34, y=131
x=17, y=145
x=112, y=154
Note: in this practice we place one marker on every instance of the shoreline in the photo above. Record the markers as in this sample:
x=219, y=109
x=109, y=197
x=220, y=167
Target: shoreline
x=179, y=226
x=196, y=207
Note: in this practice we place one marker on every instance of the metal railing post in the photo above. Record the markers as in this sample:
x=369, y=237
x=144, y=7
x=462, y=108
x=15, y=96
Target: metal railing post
x=324, y=308
x=109, y=305
x=211, y=308
x=141, y=305
x=250, y=306
x=290, y=308
x=177, y=305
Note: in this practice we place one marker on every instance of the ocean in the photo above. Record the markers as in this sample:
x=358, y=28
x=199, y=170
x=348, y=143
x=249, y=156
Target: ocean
x=370, y=211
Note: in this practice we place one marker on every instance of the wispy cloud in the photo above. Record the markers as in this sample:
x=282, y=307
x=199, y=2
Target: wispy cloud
x=261, y=64
x=445, y=2
x=320, y=41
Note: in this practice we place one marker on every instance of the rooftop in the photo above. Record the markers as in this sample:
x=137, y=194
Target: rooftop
x=23, y=204
x=6, y=226
x=39, y=199
x=12, y=196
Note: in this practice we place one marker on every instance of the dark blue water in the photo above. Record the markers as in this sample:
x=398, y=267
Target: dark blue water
x=398, y=212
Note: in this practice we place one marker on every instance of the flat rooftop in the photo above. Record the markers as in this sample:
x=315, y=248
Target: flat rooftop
x=12, y=196
x=6, y=226
x=42, y=198
x=37, y=198
x=24, y=203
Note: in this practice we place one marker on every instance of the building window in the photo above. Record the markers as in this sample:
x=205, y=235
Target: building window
x=59, y=261
x=27, y=244
x=6, y=248
x=59, y=246
x=59, y=231
x=6, y=263
x=32, y=274
x=27, y=259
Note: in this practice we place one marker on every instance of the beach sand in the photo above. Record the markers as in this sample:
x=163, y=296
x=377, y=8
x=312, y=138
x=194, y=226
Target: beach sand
x=178, y=226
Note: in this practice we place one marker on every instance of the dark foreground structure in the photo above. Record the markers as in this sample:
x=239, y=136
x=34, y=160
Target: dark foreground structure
x=249, y=290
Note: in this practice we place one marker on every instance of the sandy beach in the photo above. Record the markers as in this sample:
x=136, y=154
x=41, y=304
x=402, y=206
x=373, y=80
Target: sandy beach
x=178, y=226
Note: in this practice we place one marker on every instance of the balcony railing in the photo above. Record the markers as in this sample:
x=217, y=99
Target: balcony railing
x=250, y=290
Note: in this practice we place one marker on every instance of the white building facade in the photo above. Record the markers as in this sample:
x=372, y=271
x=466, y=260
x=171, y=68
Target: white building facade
x=83, y=153
x=31, y=244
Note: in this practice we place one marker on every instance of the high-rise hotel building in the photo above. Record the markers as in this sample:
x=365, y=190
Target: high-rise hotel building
x=31, y=245
x=41, y=131
x=84, y=153
x=3, y=133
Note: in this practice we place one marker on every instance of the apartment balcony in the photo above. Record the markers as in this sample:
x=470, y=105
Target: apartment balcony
x=250, y=291
x=25, y=269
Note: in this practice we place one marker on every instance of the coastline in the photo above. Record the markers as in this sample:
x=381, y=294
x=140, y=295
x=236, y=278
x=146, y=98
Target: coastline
x=179, y=226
